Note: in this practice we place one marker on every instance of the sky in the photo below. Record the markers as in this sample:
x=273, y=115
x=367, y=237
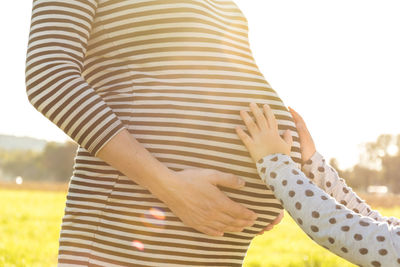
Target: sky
x=336, y=62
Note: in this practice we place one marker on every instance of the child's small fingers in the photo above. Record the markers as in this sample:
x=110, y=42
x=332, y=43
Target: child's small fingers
x=287, y=136
x=250, y=124
x=258, y=114
x=270, y=117
x=243, y=136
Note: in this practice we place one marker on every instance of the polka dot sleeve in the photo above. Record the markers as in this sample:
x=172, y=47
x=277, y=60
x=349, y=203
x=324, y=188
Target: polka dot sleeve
x=326, y=177
x=350, y=235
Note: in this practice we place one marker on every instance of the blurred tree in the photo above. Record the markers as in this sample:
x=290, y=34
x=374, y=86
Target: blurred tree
x=374, y=151
x=398, y=144
x=360, y=177
x=25, y=163
x=58, y=160
x=380, y=164
x=391, y=172
x=54, y=163
x=335, y=164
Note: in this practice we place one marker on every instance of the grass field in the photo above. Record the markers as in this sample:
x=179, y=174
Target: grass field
x=30, y=223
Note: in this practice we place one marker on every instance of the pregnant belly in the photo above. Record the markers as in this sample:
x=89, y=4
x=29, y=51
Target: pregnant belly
x=198, y=130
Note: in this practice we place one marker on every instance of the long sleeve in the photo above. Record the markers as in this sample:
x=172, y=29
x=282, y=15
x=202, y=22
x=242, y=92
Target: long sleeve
x=356, y=238
x=327, y=178
x=57, y=45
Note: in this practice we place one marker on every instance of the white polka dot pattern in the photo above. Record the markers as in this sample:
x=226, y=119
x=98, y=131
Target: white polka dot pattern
x=352, y=236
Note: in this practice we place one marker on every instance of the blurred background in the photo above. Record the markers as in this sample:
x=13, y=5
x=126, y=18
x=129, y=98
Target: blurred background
x=336, y=62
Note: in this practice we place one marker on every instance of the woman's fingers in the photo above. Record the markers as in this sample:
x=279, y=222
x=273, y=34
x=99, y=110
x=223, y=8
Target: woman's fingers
x=287, y=136
x=202, y=205
x=227, y=179
x=228, y=220
x=296, y=116
x=306, y=141
x=273, y=223
x=235, y=209
x=300, y=124
x=218, y=228
x=248, y=121
x=270, y=117
x=225, y=228
x=260, y=118
x=209, y=230
x=278, y=219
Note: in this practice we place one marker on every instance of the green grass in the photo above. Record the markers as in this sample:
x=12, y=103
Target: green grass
x=30, y=223
x=285, y=245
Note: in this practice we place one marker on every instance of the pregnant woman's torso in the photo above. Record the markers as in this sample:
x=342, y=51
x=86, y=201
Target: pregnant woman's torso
x=177, y=73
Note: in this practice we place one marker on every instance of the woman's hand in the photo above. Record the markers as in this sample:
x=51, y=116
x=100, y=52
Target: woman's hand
x=307, y=145
x=273, y=223
x=193, y=196
x=265, y=138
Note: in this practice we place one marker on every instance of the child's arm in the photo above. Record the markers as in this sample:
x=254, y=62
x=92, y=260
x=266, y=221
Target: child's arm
x=356, y=238
x=326, y=178
x=359, y=239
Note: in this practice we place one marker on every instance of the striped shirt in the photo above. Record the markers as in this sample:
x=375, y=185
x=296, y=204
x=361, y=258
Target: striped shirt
x=175, y=74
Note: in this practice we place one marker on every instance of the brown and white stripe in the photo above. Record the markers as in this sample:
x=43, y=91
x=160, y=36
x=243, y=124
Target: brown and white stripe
x=175, y=73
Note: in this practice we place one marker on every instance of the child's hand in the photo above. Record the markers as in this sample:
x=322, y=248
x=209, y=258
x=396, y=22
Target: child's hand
x=265, y=138
x=307, y=145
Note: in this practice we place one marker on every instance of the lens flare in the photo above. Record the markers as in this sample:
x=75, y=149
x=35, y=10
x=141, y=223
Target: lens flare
x=18, y=180
x=154, y=218
x=157, y=213
x=137, y=244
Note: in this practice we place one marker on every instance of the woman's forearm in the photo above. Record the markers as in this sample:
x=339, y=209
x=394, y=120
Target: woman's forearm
x=129, y=156
x=191, y=194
